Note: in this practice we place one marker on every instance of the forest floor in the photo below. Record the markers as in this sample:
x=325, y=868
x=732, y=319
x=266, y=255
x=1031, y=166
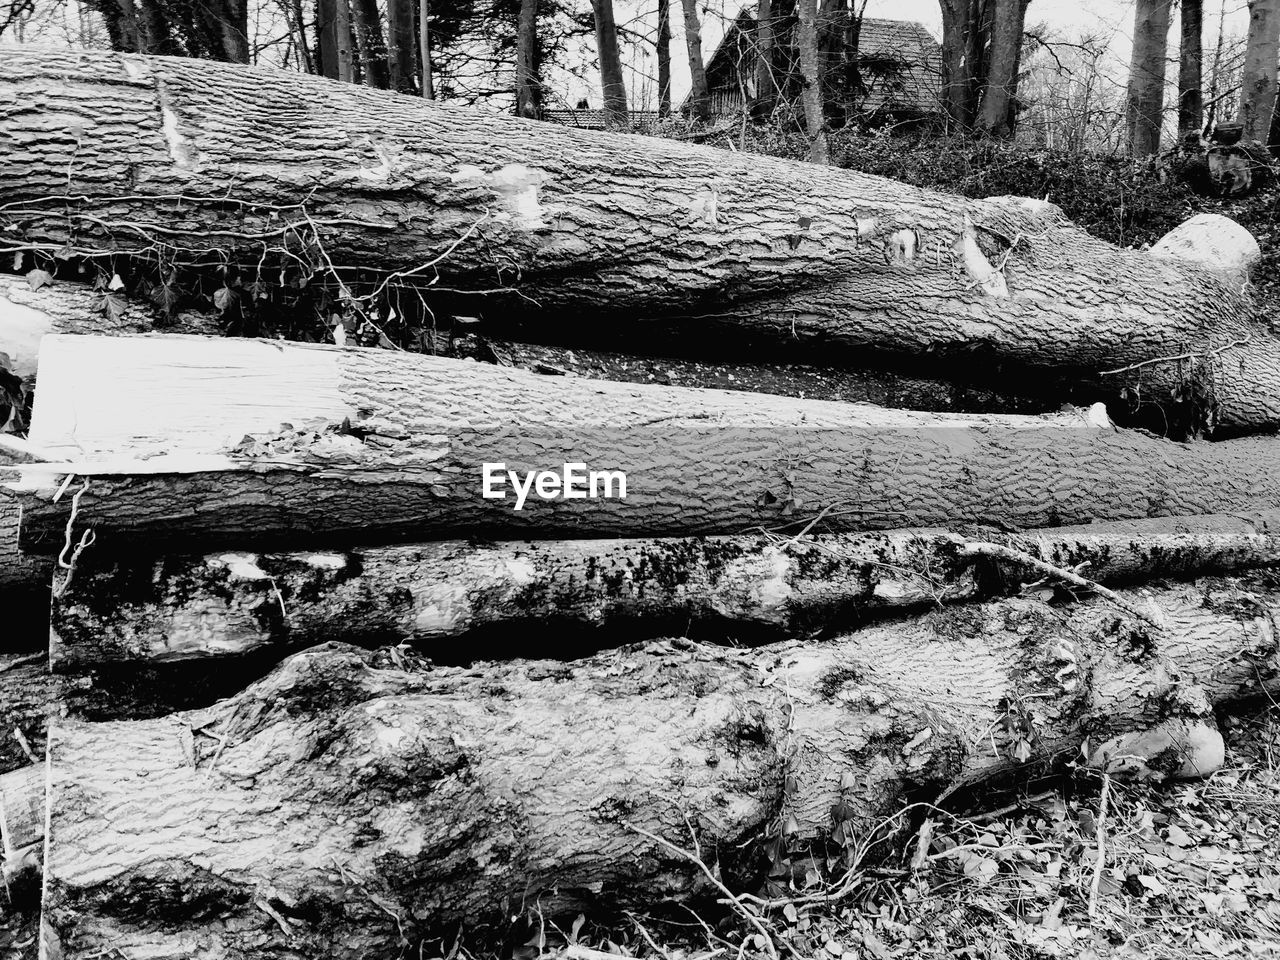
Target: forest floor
x=1188, y=869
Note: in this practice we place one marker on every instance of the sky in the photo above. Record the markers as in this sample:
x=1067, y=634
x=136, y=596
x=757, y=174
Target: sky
x=1067, y=19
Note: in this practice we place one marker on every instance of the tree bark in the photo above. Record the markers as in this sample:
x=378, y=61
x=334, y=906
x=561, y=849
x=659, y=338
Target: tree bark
x=1258, y=82
x=664, y=58
x=372, y=43
x=699, y=94
x=815, y=120
x=327, y=38
x=424, y=50
x=1147, y=76
x=963, y=39
x=613, y=88
x=751, y=587
x=528, y=81
x=1190, y=58
x=401, y=41
x=369, y=807
x=996, y=117
x=202, y=440
x=880, y=387
x=797, y=257
x=27, y=315
x=344, y=36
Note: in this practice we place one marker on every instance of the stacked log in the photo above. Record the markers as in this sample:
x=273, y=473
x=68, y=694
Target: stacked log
x=336, y=662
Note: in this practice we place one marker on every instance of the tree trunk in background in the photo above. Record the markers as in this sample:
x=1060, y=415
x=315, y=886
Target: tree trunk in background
x=447, y=795
x=424, y=50
x=959, y=38
x=327, y=33
x=233, y=30
x=613, y=87
x=1258, y=81
x=811, y=73
x=754, y=587
x=401, y=41
x=664, y=58
x=699, y=95
x=306, y=54
x=528, y=81
x=766, y=86
x=1145, y=103
x=372, y=43
x=789, y=257
x=996, y=116
x=343, y=36
x=1190, y=58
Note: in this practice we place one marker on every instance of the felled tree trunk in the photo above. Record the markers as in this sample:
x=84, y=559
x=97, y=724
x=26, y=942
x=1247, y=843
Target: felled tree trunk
x=263, y=443
x=750, y=587
x=567, y=228
x=29, y=309
x=344, y=807
x=26, y=315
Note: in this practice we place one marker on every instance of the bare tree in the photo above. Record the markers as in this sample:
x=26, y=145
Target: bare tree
x=811, y=78
x=1145, y=106
x=343, y=40
x=1258, y=86
x=401, y=41
x=327, y=37
x=528, y=82
x=612, y=86
x=371, y=43
x=996, y=116
x=765, y=84
x=1190, y=58
x=424, y=50
x=664, y=58
x=699, y=95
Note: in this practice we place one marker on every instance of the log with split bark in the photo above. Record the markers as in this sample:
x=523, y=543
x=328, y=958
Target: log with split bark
x=262, y=443
x=350, y=803
x=750, y=587
x=202, y=162
x=31, y=309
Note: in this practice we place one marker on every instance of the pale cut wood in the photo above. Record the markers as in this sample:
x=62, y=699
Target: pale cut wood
x=1214, y=241
x=363, y=801
x=212, y=440
x=553, y=226
x=21, y=810
x=580, y=592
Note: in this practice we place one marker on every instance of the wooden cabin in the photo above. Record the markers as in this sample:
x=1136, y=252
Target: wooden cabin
x=892, y=71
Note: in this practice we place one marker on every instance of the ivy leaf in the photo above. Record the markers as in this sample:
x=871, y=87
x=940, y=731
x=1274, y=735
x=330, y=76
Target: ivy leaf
x=39, y=278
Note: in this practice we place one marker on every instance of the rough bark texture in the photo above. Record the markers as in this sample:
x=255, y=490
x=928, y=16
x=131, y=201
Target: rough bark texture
x=353, y=804
x=815, y=121
x=884, y=388
x=819, y=259
x=996, y=116
x=752, y=588
x=528, y=81
x=699, y=95
x=1258, y=80
x=401, y=46
x=24, y=578
x=26, y=315
x=1147, y=75
x=372, y=43
x=198, y=440
x=613, y=89
x=1190, y=58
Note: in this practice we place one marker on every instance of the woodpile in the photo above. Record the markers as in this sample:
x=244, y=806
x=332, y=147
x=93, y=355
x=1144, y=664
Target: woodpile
x=349, y=644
